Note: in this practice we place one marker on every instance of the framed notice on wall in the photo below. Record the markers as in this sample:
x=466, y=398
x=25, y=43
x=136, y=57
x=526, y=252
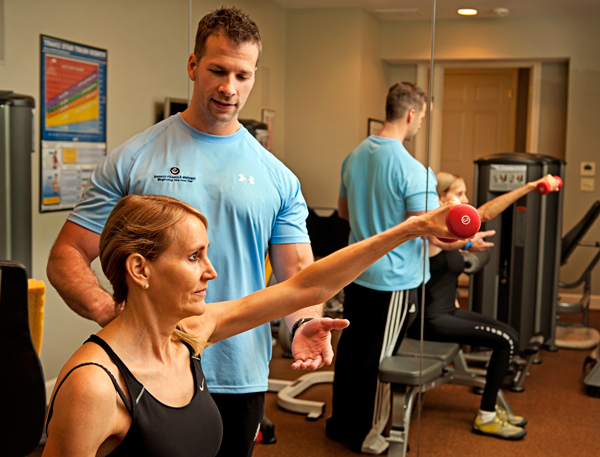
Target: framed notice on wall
x=374, y=126
x=268, y=117
x=72, y=119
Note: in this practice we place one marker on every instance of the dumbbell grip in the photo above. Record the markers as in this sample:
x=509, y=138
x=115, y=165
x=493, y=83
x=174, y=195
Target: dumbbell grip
x=543, y=187
x=462, y=221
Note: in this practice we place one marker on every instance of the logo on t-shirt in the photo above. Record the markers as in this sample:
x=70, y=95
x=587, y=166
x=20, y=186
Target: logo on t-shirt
x=174, y=175
x=250, y=179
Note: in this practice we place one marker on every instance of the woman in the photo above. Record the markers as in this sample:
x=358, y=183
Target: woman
x=445, y=321
x=138, y=388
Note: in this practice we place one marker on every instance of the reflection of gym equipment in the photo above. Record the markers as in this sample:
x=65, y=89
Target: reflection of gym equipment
x=592, y=379
x=409, y=375
x=327, y=234
x=573, y=335
x=257, y=129
x=519, y=285
x=569, y=242
x=22, y=381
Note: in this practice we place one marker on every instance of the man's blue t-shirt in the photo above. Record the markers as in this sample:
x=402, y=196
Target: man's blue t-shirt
x=383, y=183
x=250, y=200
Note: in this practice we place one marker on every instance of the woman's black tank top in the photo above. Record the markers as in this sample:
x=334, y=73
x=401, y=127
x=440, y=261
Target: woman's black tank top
x=159, y=430
x=440, y=290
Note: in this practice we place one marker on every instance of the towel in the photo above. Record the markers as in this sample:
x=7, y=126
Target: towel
x=37, y=295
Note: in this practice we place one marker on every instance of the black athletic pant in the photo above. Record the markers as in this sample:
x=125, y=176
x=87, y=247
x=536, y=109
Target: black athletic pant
x=241, y=415
x=378, y=322
x=466, y=327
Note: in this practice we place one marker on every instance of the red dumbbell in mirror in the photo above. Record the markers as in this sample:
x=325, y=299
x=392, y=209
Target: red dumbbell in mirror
x=543, y=187
x=463, y=222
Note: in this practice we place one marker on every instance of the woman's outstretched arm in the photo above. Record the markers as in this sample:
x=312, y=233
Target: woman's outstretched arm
x=319, y=281
x=491, y=209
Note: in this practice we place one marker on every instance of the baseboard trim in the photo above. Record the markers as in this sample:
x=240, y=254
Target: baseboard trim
x=574, y=298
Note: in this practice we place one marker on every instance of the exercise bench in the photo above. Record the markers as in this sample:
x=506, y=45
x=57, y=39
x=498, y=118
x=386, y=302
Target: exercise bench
x=409, y=375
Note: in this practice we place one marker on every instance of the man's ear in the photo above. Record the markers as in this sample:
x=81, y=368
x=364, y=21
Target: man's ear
x=192, y=66
x=137, y=268
x=410, y=115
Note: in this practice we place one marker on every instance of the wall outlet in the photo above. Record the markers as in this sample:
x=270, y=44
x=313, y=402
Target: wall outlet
x=586, y=185
x=588, y=169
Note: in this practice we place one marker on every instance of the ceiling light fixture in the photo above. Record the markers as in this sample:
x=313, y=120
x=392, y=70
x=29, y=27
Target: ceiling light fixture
x=467, y=12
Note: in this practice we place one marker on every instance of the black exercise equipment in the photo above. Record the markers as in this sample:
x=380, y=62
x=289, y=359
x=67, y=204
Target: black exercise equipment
x=569, y=242
x=519, y=285
x=22, y=380
x=327, y=233
x=592, y=375
x=16, y=148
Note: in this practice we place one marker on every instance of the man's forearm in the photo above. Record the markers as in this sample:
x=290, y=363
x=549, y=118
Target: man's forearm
x=72, y=277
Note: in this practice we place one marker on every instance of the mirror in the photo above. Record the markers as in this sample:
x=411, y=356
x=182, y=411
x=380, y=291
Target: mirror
x=520, y=79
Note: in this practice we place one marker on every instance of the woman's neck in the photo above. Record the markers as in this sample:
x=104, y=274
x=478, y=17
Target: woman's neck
x=143, y=333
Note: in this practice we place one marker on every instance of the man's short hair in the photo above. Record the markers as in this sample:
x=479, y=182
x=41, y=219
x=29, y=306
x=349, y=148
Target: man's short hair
x=401, y=98
x=231, y=23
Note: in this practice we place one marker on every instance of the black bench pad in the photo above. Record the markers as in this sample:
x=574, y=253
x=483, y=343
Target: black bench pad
x=431, y=349
x=401, y=369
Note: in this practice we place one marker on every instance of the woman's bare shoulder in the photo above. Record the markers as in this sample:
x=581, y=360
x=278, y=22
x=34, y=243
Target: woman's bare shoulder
x=86, y=409
x=89, y=352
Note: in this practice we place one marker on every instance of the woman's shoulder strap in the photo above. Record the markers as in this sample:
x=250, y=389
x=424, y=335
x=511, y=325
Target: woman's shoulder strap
x=112, y=378
x=127, y=375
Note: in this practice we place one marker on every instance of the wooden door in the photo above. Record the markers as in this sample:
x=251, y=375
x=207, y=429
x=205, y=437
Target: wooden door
x=478, y=118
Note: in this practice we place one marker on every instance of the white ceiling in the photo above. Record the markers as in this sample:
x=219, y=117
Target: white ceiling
x=422, y=9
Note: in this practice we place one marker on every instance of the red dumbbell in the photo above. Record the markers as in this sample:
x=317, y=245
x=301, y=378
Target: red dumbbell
x=543, y=187
x=463, y=221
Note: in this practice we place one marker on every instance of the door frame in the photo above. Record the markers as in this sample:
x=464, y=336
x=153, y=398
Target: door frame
x=437, y=105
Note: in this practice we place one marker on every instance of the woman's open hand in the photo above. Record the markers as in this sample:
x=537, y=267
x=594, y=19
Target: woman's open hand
x=312, y=343
x=479, y=244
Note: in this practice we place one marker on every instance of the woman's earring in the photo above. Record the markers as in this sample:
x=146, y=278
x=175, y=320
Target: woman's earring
x=146, y=286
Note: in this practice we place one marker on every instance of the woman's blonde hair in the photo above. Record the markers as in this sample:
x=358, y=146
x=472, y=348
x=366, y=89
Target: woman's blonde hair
x=145, y=225
x=445, y=182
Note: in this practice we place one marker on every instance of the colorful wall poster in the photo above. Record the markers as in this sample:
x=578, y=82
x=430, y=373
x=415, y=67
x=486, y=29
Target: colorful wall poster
x=72, y=118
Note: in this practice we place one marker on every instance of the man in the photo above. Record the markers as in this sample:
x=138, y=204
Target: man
x=253, y=204
x=382, y=185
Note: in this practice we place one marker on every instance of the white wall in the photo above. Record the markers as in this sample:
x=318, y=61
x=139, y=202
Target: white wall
x=335, y=81
x=147, y=43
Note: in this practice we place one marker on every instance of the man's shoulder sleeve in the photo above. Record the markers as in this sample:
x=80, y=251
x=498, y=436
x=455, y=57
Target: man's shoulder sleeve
x=343, y=190
x=418, y=187
x=290, y=223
